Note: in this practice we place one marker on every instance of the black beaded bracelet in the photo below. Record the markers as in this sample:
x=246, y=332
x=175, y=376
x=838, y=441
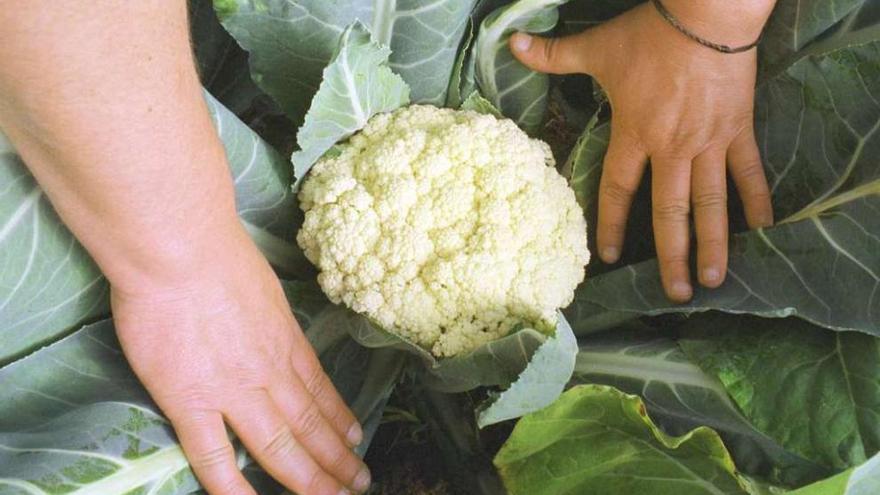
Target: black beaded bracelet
x=671, y=19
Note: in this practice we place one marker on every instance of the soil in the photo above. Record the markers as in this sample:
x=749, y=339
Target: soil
x=404, y=461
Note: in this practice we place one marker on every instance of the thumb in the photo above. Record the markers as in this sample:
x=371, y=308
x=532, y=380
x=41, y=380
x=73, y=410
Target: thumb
x=567, y=55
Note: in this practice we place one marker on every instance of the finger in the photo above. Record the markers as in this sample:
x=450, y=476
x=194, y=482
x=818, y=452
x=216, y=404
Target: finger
x=209, y=452
x=267, y=436
x=747, y=171
x=709, y=198
x=671, y=203
x=566, y=55
x=319, y=386
x=311, y=429
x=621, y=174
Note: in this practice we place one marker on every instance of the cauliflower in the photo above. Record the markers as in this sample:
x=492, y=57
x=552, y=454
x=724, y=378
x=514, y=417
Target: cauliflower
x=449, y=228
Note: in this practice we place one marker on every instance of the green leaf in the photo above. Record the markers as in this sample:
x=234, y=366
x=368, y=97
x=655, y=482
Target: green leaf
x=261, y=175
x=225, y=74
x=796, y=23
x=584, y=165
x=223, y=65
x=49, y=285
x=540, y=383
x=496, y=363
x=458, y=82
x=595, y=439
x=680, y=397
x=477, y=103
x=520, y=94
x=357, y=85
x=291, y=41
x=578, y=15
x=425, y=38
x=861, y=480
x=868, y=15
x=773, y=368
x=818, y=124
x=74, y=416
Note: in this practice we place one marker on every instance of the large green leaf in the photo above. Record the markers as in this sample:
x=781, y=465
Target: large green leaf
x=540, y=383
x=530, y=366
x=861, y=480
x=518, y=92
x=74, y=417
x=595, y=439
x=224, y=71
x=357, y=85
x=816, y=392
x=796, y=23
x=48, y=283
x=818, y=124
x=680, y=397
x=496, y=363
x=291, y=41
x=223, y=65
x=262, y=176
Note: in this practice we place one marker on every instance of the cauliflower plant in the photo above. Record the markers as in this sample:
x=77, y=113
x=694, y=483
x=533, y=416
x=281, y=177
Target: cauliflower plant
x=449, y=228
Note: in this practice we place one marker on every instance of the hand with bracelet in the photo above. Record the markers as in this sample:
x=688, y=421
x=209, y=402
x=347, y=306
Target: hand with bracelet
x=682, y=100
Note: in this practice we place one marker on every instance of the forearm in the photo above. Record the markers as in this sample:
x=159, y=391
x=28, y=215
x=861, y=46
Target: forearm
x=729, y=22
x=105, y=107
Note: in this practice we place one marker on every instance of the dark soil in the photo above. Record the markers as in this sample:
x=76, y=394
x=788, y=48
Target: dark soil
x=404, y=460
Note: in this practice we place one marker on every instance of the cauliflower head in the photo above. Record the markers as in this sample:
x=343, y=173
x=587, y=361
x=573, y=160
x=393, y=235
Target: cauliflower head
x=449, y=228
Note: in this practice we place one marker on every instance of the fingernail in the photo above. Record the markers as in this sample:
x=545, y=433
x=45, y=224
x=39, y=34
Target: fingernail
x=610, y=254
x=362, y=481
x=344, y=491
x=355, y=434
x=681, y=290
x=522, y=42
x=711, y=275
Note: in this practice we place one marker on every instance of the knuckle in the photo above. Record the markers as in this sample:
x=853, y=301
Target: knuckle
x=617, y=193
x=757, y=199
x=308, y=422
x=318, y=483
x=232, y=486
x=213, y=457
x=713, y=245
x=671, y=211
x=341, y=461
x=674, y=260
x=550, y=52
x=613, y=228
x=280, y=444
x=758, y=196
x=750, y=170
x=676, y=151
x=337, y=416
x=187, y=405
x=316, y=381
x=710, y=200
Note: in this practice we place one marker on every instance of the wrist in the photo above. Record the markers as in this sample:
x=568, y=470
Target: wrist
x=168, y=265
x=732, y=23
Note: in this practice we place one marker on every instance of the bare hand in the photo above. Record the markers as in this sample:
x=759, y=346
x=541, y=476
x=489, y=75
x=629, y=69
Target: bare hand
x=222, y=345
x=689, y=110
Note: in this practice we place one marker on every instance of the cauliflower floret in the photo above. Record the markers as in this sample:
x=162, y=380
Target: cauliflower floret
x=449, y=228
